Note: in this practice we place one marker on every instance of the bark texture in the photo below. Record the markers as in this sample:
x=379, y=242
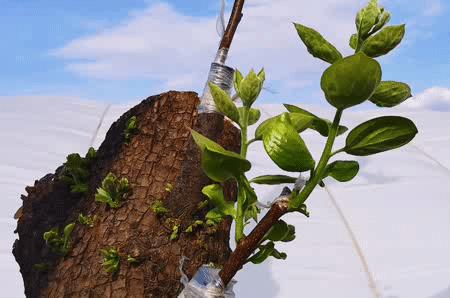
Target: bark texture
x=161, y=152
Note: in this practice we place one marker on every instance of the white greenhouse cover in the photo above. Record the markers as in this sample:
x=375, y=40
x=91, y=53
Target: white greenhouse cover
x=384, y=234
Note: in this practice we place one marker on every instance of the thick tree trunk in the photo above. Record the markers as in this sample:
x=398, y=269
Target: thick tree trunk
x=162, y=152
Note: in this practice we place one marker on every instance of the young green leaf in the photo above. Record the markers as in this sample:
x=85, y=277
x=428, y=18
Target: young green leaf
x=68, y=230
x=158, y=208
x=380, y=134
x=384, y=41
x=253, y=115
x=249, y=88
x=318, y=124
x=215, y=194
x=286, y=148
x=218, y=163
x=342, y=170
x=214, y=217
x=237, y=79
x=131, y=128
x=273, y=179
x=223, y=102
x=281, y=231
x=265, y=251
x=174, y=235
x=111, y=260
x=86, y=220
x=390, y=94
x=298, y=120
x=112, y=191
x=353, y=42
x=317, y=46
x=367, y=17
x=384, y=18
x=350, y=81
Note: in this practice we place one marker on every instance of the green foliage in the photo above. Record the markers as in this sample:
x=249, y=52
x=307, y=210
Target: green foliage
x=214, y=192
x=249, y=88
x=223, y=102
x=347, y=82
x=316, y=45
x=59, y=243
x=175, y=230
x=131, y=128
x=300, y=122
x=112, y=191
x=380, y=134
x=158, y=208
x=342, y=170
x=318, y=124
x=273, y=179
x=132, y=260
x=194, y=225
x=285, y=146
x=169, y=187
x=390, y=94
x=87, y=220
x=384, y=41
x=111, y=260
x=218, y=163
x=75, y=172
x=253, y=116
x=351, y=80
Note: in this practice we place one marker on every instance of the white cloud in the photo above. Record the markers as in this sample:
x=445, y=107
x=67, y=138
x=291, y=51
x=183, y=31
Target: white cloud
x=162, y=44
x=435, y=98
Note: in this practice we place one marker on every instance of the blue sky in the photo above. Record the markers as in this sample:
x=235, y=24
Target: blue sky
x=127, y=50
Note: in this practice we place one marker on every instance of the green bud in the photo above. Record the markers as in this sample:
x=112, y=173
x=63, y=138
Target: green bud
x=248, y=89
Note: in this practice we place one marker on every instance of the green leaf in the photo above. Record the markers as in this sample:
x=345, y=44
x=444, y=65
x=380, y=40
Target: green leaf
x=298, y=120
x=281, y=231
x=384, y=18
x=285, y=146
x=112, y=190
x=367, y=18
x=223, y=102
x=350, y=81
x=214, y=216
x=250, y=87
x=265, y=251
x=253, y=115
x=384, y=41
x=342, y=170
x=215, y=194
x=380, y=134
x=390, y=94
x=218, y=163
x=318, y=124
x=237, y=79
x=68, y=230
x=353, y=43
x=317, y=46
x=273, y=179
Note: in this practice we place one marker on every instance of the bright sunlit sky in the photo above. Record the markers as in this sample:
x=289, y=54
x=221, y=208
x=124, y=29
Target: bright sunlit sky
x=120, y=51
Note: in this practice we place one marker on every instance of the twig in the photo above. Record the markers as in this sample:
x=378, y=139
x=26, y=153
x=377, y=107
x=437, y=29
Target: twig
x=248, y=245
x=235, y=18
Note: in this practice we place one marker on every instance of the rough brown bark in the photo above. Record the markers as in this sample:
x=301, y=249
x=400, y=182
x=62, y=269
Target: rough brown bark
x=162, y=152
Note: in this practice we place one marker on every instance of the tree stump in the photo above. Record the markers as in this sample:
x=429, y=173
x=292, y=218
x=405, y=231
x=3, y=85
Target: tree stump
x=161, y=152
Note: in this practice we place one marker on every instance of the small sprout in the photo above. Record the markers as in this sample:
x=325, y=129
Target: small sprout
x=130, y=129
x=174, y=234
x=59, y=243
x=214, y=265
x=158, y=208
x=41, y=267
x=131, y=260
x=169, y=187
x=202, y=205
x=111, y=260
x=75, y=171
x=87, y=220
x=196, y=224
x=112, y=191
